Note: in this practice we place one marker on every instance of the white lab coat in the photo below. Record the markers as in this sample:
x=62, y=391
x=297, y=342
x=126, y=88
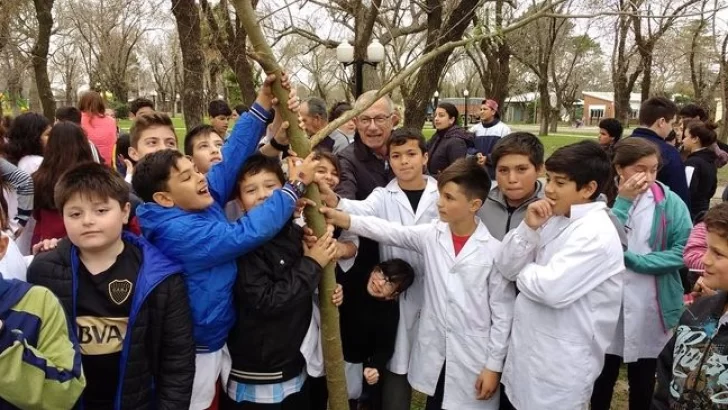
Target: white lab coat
x=390, y=203
x=467, y=310
x=570, y=275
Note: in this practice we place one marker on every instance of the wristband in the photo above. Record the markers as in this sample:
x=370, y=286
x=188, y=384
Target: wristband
x=299, y=186
x=278, y=146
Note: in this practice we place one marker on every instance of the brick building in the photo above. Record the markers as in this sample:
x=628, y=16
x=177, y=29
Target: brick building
x=599, y=105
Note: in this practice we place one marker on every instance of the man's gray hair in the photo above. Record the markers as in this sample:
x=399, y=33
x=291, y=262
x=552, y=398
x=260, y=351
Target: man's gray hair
x=369, y=96
x=317, y=107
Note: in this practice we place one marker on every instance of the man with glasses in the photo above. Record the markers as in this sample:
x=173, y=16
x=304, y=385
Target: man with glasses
x=364, y=167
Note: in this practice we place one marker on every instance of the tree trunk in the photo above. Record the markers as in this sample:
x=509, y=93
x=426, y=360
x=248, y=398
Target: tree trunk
x=544, y=106
x=724, y=91
x=187, y=16
x=39, y=57
x=498, y=60
x=646, y=74
x=438, y=32
x=330, y=333
x=244, y=75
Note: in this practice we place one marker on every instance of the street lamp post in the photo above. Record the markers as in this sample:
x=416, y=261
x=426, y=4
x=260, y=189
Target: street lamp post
x=437, y=98
x=466, y=94
x=345, y=55
x=154, y=98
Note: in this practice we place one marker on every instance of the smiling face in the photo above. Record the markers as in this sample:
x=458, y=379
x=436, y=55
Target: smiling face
x=94, y=224
x=375, y=125
x=186, y=188
x=328, y=172
x=562, y=190
x=207, y=151
x=516, y=177
x=407, y=160
x=716, y=262
x=442, y=119
x=380, y=287
x=153, y=139
x=256, y=188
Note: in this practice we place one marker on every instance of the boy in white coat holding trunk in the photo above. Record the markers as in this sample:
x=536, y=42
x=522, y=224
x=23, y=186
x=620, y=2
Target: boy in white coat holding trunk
x=468, y=306
x=409, y=199
x=566, y=258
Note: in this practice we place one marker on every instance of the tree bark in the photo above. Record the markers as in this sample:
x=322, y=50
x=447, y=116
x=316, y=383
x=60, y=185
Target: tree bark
x=187, y=16
x=498, y=59
x=39, y=56
x=544, y=106
x=438, y=32
x=330, y=333
x=646, y=86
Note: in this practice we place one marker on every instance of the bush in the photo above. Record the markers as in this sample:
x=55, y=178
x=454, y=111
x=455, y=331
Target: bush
x=120, y=109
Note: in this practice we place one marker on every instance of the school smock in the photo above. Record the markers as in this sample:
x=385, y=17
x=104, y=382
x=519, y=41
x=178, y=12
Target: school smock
x=570, y=275
x=640, y=333
x=391, y=204
x=467, y=309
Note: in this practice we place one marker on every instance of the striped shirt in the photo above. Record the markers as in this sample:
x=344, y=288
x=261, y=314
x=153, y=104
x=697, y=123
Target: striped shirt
x=22, y=184
x=265, y=393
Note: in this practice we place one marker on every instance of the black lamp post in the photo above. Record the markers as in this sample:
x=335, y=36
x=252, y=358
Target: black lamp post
x=345, y=55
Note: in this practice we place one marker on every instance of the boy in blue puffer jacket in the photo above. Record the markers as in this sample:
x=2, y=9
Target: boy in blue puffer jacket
x=183, y=215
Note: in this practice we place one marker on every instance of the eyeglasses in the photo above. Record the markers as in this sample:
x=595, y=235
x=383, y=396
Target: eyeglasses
x=379, y=120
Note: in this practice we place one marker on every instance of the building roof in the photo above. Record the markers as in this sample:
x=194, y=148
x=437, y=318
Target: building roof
x=609, y=96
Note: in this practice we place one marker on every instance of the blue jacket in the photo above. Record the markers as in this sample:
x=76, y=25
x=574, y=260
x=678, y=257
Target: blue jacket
x=672, y=173
x=207, y=245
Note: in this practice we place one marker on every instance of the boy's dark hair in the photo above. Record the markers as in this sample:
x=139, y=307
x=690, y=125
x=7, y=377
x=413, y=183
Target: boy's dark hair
x=258, y=163
x=716, y=220
x=140, y=103
x=613, y=127
x=472, y=178
x=71, y=114
x=218, y=107
x=241, y=108
x=400, y=136
x=655, y=108
x=151, y=174
x=450, y=109
x=328, y=156
x=705, y=132
x=399, y=273
x=582, y=162
x=693, y=111
x=338, y=109
x=91, y=180
x=146, y=121
x=671, y=136
x=202, y=130
x=122, y=146
x=519, y=143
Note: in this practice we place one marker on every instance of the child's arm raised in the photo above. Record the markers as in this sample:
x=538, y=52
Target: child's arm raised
x=519, y=246
x=177, y=362
x=379, y=230
x=242, y=143
x=267, y=294
x=46, y=376
x=579, y=266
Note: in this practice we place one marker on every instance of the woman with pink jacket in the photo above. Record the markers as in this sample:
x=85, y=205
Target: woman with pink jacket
x=100, y=128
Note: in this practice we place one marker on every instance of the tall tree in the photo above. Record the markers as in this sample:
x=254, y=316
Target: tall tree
x=43, y=12
x=187, y=15
x=441, y=28
x=229, y=37
x=494, y=59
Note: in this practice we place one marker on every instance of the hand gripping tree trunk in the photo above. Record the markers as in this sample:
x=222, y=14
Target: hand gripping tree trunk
x=330, y=334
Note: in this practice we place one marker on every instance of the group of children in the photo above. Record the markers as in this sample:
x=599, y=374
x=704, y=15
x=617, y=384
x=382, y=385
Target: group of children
x=528, y=295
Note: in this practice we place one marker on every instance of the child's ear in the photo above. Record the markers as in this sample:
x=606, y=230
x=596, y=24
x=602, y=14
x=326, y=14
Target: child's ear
x=163, y=199
x=425, y=158
x=588, y=190
x=133, y=154
x=541, y=170
x=475, y=205
x=126, y=211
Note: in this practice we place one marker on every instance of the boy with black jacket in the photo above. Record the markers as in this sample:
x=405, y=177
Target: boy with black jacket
x=272, y=295
x=691, y=369
x=125, y=299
